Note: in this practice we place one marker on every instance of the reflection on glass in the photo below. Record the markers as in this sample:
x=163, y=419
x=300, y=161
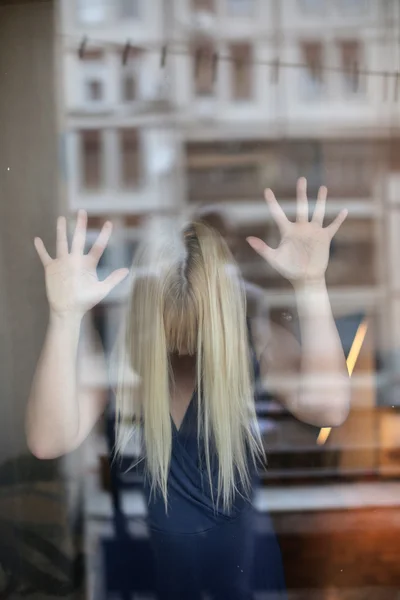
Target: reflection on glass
x=231, y=124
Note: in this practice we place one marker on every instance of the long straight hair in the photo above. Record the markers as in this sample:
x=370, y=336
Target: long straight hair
x=187, y=297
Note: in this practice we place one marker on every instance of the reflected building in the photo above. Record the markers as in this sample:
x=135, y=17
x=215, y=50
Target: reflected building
x=270, y=91
x=186, y=104
x=203, y=102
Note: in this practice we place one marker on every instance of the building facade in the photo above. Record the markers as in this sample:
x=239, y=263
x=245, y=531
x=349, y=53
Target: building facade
x=172, y=105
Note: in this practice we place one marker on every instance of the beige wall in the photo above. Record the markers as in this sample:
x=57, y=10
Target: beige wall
x=28, y=200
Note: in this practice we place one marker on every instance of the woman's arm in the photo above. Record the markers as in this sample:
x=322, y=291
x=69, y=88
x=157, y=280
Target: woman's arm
x=65, y=401
x=68, y=392
x=299, y=375
x=323, y=396
x=312, y=380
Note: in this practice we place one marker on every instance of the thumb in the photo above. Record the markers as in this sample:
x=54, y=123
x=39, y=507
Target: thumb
x=114, y=279
x=261, y=248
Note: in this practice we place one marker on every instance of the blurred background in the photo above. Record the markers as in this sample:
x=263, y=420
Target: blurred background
x=128, y=108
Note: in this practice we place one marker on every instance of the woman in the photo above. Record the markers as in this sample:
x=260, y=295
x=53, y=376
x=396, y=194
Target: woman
x=185, y=381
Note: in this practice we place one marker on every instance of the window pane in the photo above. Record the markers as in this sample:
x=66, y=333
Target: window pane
x=242, y=71
x=94, y=90
x=352, y=255
x=240, y=7
x=91, y=153
x=312, y=57
x=203, y=67
x=224, y=171
x=129, y=145
x=91, y=11
x=203, y=5
x=224, y=183
x=129, y=9
x=353, y=6
x=130, y=74
x=350, y=61
x=312, y=7
x=129, y=88
x=349, y=169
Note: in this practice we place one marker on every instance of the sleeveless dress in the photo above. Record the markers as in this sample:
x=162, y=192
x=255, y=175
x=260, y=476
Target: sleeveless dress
x=198, y=547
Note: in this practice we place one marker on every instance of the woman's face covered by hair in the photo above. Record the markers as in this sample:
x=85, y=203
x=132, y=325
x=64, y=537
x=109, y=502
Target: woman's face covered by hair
x=187, y=298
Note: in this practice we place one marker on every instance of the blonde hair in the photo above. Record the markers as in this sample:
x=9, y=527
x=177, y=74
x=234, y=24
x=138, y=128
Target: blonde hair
x=187, y=297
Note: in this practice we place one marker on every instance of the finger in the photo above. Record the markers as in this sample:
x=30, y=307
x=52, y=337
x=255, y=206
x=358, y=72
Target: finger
x=100, y=244
x=302, y=202
x=319, y=212
x=62, y=242
x=41, y=250
x=276, y=211
x=334, y=226
x=78, y=241
x=114, y=279
x=261, y=248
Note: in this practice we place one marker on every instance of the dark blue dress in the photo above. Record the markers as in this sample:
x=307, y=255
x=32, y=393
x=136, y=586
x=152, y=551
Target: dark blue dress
x=200, y=548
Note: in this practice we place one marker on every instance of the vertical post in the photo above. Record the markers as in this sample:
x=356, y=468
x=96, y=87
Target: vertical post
x=29, y=167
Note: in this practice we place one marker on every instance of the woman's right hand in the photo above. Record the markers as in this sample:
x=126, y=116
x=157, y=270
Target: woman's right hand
x=72, y=284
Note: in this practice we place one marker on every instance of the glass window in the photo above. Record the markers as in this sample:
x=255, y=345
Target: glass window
x=224, y=183
x=91, y=238
x=349, y=170
x=352, y=255
x=312, y=73
x=312, y=7
x=129, y=9
x=130, y=75
x=242, y=71
x=350, y=57
x=92, y=159
x=203, y=5
x=130, y=165
x=91, y=12
x=94, y=90
x=92, y=64
x=355, y=7
x=203, y=69
x=240, y=8
x=129, y=88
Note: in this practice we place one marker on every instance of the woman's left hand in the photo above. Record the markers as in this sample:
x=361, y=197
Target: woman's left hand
x=303, y=253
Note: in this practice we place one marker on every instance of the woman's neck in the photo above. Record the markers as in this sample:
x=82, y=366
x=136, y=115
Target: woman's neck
x=183, y=363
